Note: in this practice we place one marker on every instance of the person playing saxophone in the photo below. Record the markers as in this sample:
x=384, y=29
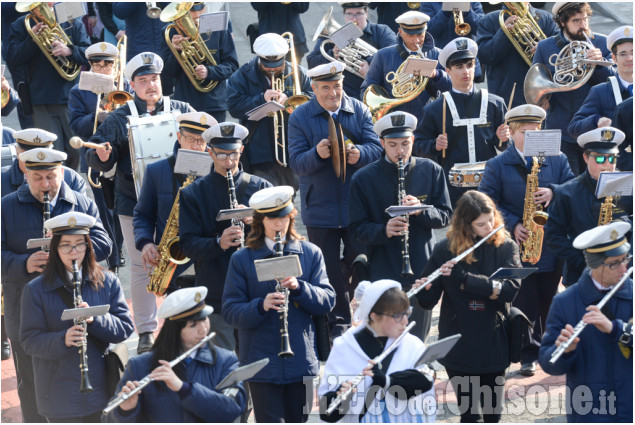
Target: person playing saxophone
x=504, y=180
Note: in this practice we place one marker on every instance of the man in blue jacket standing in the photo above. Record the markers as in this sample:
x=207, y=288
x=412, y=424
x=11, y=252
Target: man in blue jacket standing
x=325, y=197
x=281, y=17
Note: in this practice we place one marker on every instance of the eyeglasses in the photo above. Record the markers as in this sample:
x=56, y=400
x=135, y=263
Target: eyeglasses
x=197, y=141
x=79, y=248
x=580, y=20
x=617, y=264
x=354, y=15
x=624, y=55
x=398, y=316
x=98, y=65
x=223, y=156
x=601, y=159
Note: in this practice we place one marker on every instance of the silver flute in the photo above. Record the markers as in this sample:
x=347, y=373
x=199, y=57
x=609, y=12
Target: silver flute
x=559, y=351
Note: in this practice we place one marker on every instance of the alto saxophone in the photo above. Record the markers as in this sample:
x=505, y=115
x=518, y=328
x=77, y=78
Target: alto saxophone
x=534, y=218
x=171, y=255
x=606, y=211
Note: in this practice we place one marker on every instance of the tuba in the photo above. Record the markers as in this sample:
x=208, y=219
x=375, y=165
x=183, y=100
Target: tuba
x=534, y=219
x=193, y=52
x=41, y=12
x=525, y=34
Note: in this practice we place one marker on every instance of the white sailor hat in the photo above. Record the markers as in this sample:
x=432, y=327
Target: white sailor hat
x=526, y=113
x=396, y=124
x=459, y=48
x=413, y=22
x=70, y=223
x=608, y=240
x=559, y=6
x=101, y=51
x=621, y=34
x=185, y=304
x=195, y=122
x=226, y=135
x=372, y=292
x=273, y=201
x=601, y=140
x=42, y=158
x=331, y=71
x=353, y=4
x=143, y=64
x=34, y=138
x=271, y=48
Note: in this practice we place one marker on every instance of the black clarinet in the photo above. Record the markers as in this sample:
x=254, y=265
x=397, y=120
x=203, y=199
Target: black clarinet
x=406, y=270
x=285, y=347
x=47, y=214
x=84, y=386
x=233, y=204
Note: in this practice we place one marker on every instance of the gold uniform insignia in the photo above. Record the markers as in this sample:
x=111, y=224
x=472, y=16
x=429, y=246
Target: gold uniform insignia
x=613, y=235
x=71, y=222
x=203, y=120
x=198, y=297
x=103, y=47
x=41, y=156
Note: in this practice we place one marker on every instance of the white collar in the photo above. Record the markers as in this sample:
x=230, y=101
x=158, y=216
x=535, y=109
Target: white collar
x=460, y=92
x=520, y=154
x=600, y=287
x=623, y=82
x=54, y=200
x=271, y=243
x=337, y=111
x=70, y=274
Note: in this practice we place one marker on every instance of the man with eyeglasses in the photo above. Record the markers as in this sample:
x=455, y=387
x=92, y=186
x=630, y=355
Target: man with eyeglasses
x=160, y=187
x=599, y=106
x=208, y=242
x=575, y=208
x=22, y=219
x=598, y=363
x=377, y=35
x=573, y=22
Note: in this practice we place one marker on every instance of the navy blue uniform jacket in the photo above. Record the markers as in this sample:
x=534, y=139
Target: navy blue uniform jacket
x=441, y=24
x=324, y=198
x=373, y=189
x=144, y=34
x=623, y=119
x=281, y=17
x=12, y=179
x=55, y=365
x=259, y=330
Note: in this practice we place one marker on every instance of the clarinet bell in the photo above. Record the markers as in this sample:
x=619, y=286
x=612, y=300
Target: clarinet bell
x=85, y=386
x=285, y=351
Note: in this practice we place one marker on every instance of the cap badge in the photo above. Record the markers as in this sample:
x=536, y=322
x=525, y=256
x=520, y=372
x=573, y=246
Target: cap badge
x=627, y=31
x=279, y=202
x=333, y=69
x=198, y=297
x=227, y=130
x=147, y=59
x=37, y=139
x=415, y=20
x=613, y=234
x=461, y=44
x=41, y=156
x=103, y=47
x=203, y=120
x=528, y=110
x=71, y=222
x=607, y=135
x=398, y=120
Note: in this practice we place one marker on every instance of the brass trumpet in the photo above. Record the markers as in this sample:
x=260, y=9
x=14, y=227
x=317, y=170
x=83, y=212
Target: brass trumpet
x=461, y=28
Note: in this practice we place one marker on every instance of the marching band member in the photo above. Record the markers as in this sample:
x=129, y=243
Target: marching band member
x=185, y=392
x=208, y=242
x=599, y=359
x=160, y=187
x=325, y=199
x=384, y=311
x=145, y=33
x=280, y=17
x=475, y=125
x=376, y=187
x=442, y=26
x=387, y=12
x=52, y=343
x=251, y=86
x=505, y=180
x=14, y=175
x=599, y=106
x=505, y=66
x=278, y=391
x=22, y=213
x=576, y=208
x=573, y=22
x=377, y=35
x=412, y=41
x=143, y=71
x=473, y=304
x=221, y=46
x=623, y=120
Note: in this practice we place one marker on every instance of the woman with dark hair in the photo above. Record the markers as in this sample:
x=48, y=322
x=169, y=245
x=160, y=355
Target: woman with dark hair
x=278, y=390
x=474, y=305
x=185, y=392
x=53, y=343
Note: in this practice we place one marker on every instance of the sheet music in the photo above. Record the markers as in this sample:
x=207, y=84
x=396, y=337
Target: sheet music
x=211, y=22
x=420, y=66
x=542, y=143
x=278, y=268
x=619, y=183
x=97, y=83
x=264, y=110
x=448, y=6
x=238, y=213
x=67, y=11
x=395, y=210
x=187, y=162
x=345, y=35
x=438, y=350
x=75, y=313
x=242, y=374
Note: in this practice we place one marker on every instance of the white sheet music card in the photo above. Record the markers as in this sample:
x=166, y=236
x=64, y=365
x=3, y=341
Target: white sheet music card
x=542, y=143
x=69, y=10
x=237, y=213
x=264, y=110
x=76, y=313
x=211, y=22
x=242, y=373
x=448, y=6
x=97, y=83
x=420, y=66
x=278, y=268
x=346, y=34
x=187, y=162
x=395, y=210
x=617, y=183
x=438, y=350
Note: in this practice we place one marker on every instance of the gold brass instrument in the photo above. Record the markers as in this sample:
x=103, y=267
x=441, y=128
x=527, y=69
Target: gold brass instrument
x=525, y=33
x=461, y=28
x=193, y=52
x=414, y=5
x=285, y=346
x=297, y=98
x=606, y=211
x=84, y=383
x=171, y=255
x=338, y=149
x=50, y=32
x=534, y=219
x=5, y=97
x=153, y=11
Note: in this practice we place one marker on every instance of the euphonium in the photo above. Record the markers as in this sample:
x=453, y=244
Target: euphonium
x=285, y=346
x=406, y=270
x=525, y=33
x=50, y=32
x=461, y=28
x=84, y=384
x=534, y=218
x=606, y=211
x=193, y=52
x=171, y=255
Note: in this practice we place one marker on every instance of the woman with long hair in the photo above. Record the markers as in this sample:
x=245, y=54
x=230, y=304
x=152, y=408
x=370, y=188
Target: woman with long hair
x=53, y=343
x=186, y=392
x=474, y=305
x=278, y=391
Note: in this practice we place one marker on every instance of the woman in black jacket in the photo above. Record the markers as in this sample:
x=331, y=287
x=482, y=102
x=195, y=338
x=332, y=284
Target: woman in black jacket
x=474, y=305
